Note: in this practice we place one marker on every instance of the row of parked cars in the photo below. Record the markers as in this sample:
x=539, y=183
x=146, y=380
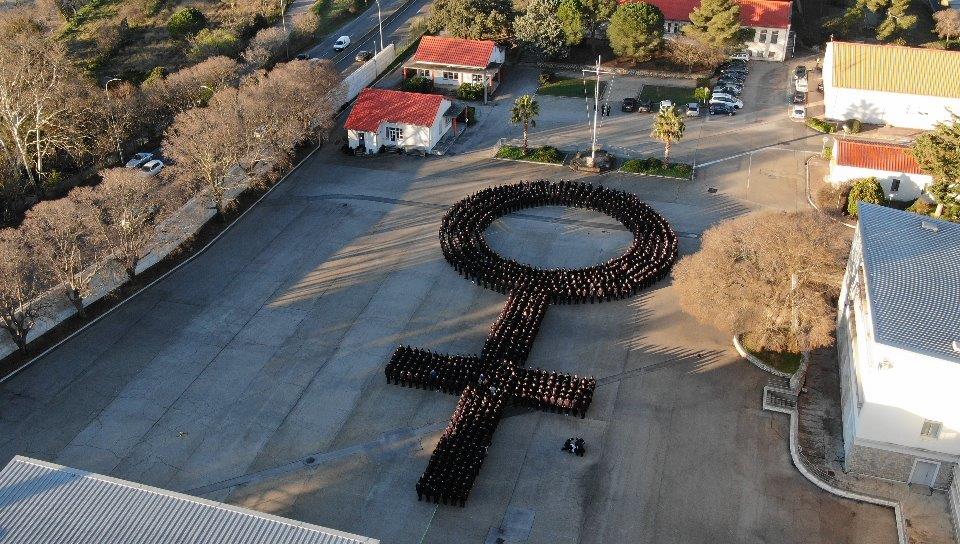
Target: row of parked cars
x=725, y=99
x=148, y=163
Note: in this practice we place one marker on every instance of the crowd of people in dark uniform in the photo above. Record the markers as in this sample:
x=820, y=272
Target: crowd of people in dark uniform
x=497, y=377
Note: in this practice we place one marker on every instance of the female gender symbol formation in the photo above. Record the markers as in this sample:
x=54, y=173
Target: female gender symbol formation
x=497, y=375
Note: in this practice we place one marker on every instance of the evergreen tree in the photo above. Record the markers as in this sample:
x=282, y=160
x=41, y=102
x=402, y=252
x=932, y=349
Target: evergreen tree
x=716, y=22
x=596, y=12
x=573, y=18
x=938, y=153
x=897, y=21
x=472, y=19
x=866, y=190
x=636, y=31
x=540, y=30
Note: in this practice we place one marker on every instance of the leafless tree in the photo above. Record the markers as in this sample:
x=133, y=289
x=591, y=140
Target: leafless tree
x=21, y=286
x=188, y=88
x=68, y=243
x=266, y=48
x=692, y=54
x=773, y=275
x=120, y=111
x=947, y=24
x=128, y=209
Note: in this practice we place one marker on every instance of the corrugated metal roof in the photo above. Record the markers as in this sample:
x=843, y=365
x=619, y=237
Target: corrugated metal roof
x=896, y=69
x=753, y=13
x=913, y=279
x=45, y=503
x=455, y=51
x=876, y=156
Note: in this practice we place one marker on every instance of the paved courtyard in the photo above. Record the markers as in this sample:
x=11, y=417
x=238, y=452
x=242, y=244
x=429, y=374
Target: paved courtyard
x=254, y=374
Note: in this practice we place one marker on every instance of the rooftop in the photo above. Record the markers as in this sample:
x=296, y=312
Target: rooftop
x=896, y=69
x=454, y=51
x=756, y=13
x=42, y=502
x=912, y=263
x=876, y=155
x=377, y=106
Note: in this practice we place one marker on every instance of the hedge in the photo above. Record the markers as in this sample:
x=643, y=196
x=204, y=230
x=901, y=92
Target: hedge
x=820, y=125
x=656, y=167
x=546, y=154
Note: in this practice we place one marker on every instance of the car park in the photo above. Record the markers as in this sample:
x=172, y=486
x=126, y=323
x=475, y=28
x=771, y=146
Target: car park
x=798, y=112
x=342, y=43
x=363, y=56
x=726, y=99
x=799, y=98
x=693, y=110
x=722, y=109
x=153, y=167
x=138, y=160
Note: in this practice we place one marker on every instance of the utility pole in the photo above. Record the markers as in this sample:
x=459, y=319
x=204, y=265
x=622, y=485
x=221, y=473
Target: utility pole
x=596, y=107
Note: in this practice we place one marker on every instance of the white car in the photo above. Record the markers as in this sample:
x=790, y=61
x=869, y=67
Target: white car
x=138, y=160
x=740, y=55
x=798, y=112
x=153, y=167
x=341, y=43
x=801, y=85
x=726, y=99
x=665, y=105
x=693, y=109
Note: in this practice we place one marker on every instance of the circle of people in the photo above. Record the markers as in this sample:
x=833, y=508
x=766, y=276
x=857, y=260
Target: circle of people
x=649, y=258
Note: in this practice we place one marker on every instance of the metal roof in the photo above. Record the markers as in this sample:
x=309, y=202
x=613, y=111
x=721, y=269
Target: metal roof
x=876, y=155
x=896, y=69
x=46, y=503
x=912, y=266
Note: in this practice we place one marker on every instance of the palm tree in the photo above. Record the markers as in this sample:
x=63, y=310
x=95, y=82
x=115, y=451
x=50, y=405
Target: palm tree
x=525, y=111
x=668, y=128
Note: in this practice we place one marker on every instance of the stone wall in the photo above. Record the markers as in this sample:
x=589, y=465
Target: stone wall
x=892, y=465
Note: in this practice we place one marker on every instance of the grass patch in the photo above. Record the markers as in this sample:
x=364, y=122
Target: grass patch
x=333, y=14
x=784, y=362
x=574, y=88
x=678, y=95
x=546, y=154
x=656, y=167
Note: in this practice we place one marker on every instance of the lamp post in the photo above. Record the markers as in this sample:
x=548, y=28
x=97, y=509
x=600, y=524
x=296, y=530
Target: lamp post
x=379, y=23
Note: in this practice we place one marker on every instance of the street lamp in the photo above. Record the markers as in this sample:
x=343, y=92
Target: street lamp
x=379, y=23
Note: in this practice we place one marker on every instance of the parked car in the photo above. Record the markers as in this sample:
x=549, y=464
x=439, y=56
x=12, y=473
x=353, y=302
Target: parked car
x=138, y=160
x=722, y=109
x=734, y=67
x=341, y=43
x=740, y=55
x=728, y=89
x=726, y=99
x=800, y=72
x=736, y=78
x=153, y=167
x=739, y=64
x=645, y=106
x=798, y=112
x=693, y=109
x=363, y=56
x=801, y=85
x=820, y=86
x=665, y=105
x=799, y=98
x=629, y=104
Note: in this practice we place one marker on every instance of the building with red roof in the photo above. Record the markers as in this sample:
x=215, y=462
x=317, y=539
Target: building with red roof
x=399, y=119
x=767, y=20
x=890, y=162
x=450, y=62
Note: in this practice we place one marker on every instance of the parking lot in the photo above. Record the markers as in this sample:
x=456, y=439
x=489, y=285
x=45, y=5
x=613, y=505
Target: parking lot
x=255, y=373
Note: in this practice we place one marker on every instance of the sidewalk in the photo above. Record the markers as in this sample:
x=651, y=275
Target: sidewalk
x=820, y=440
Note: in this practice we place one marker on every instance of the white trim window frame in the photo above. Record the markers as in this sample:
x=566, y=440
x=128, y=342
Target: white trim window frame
x=394, y=134
x=451, y=75
x=936, y=471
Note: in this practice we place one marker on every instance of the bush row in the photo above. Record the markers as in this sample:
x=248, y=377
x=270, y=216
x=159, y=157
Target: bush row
x=656, y=167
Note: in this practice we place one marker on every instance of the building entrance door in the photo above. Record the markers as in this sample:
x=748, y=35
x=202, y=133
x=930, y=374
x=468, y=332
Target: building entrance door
x=924, y=472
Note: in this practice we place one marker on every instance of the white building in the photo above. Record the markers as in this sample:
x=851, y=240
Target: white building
x=409, y=121
x=767, y=20
x=906, y=87
x=450, y=62
x=891, y=163
x=898, y=338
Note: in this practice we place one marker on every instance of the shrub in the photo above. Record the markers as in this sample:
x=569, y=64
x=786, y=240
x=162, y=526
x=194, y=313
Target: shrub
x=656, y=167
x=156, y=74
x=213, y=43
x=921, y=207
x=821, y=126
x=832, y=199
x=470, y=91
x=548, y=154
x=865, y=190
x=852, y=126
x=186, y=22
x=546, y=76
x=418, y=84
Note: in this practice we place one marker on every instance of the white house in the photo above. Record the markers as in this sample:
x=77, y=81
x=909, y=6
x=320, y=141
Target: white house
x=898, y=339
x=908, y=87
x=892, y=164
x=410, y=121
x=767, y=20
x=450, y=62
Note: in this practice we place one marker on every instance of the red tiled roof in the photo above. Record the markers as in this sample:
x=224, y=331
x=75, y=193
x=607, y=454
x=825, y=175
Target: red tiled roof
x=376, y=106
x=876, y=156
x=454, y=51
x=760, y=13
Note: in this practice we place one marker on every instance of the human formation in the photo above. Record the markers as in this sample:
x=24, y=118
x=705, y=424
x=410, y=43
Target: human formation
x=497, y=377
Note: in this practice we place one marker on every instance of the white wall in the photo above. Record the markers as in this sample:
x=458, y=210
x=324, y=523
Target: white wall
x=876, y=107
x=758, y=50
x=911, y=185
x=363, y=76
x=414, y=136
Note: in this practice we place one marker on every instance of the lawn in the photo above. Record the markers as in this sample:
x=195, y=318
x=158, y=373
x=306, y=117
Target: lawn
x=679, y=95
x=784, y=362
x=546, y=154
x=656, y=167
x=574, y=88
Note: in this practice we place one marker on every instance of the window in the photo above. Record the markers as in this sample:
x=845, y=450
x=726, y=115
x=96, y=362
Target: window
x=477, y=78
x=451, y=75
x=894, y=185
x=774, y=36
x=770, y=54
x=762, y=36
x=931, y=429
x=394, y=134
x=423, y=72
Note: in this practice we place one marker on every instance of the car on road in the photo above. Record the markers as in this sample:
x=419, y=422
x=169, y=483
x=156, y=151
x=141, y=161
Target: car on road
x=799, y=98
x=363, y=56
x=693, y=109
x=138, y=160
x=152, y=168
x=726, y=99
x=798, y=112
x=342, y=43
x=722, y=109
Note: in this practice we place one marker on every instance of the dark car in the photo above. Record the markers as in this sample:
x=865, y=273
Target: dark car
x=799, y=97
x=722, y=109
x=800, y=72
x=363, y=56
x=629, y=104
x=734, y=64
x=737, y=76
x=646, y=106
x=820, y=86
x=303, y=56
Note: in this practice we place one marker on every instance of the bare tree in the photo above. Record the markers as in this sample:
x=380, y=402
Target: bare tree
x=947, y=24
x=773, y=275
x=21, y=287
x=128, y=209
x=120, y=109
x=188, y=88
x=694, y=55
x=68, y=243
